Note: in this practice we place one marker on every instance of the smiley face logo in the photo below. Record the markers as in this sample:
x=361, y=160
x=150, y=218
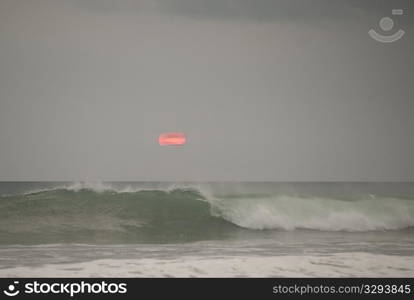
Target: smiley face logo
x=11, y=290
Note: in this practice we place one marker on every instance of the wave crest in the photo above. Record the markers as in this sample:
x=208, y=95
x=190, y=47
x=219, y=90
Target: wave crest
x=327, y=214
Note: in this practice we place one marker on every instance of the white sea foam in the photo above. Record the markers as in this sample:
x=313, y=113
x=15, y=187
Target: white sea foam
x=337, y=265
x=288, y=213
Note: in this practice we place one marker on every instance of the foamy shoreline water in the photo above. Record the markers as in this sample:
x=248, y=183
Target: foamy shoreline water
x=356, y=264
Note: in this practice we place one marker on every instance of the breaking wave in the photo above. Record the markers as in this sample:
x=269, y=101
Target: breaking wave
x=100, y=213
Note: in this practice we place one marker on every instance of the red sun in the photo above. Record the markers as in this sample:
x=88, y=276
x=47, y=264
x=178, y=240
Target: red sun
x=172, y=139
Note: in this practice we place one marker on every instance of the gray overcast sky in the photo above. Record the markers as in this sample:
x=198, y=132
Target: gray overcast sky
x=290, y=90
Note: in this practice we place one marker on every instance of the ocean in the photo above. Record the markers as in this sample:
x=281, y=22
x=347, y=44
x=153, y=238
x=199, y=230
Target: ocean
x=212, y=229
